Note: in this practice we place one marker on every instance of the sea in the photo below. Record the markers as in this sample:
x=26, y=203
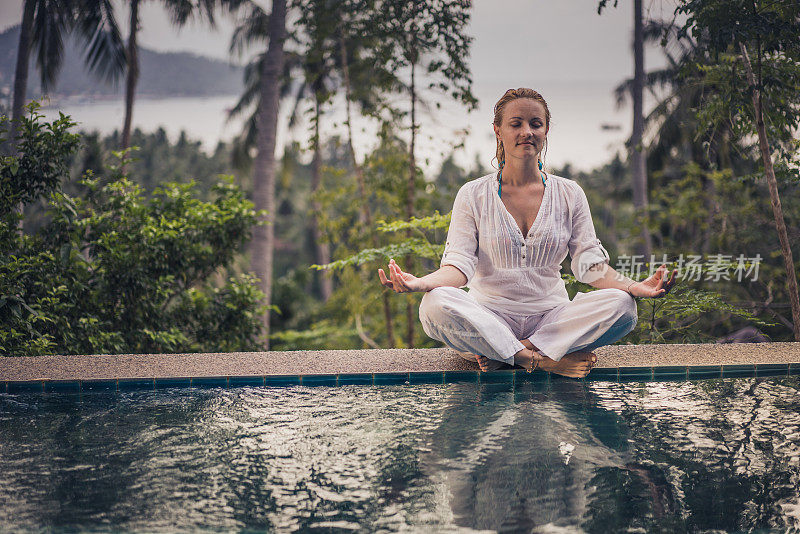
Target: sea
x=587, y=127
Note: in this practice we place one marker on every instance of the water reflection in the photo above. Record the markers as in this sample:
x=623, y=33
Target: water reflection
x=563, y=456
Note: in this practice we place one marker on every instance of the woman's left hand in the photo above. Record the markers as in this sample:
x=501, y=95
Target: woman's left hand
x=656, y=286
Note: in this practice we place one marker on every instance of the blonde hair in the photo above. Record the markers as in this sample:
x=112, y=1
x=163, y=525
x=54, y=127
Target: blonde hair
x=508, y=96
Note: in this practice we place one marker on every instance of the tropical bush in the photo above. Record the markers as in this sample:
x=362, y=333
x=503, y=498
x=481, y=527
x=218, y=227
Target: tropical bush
x=117, y=270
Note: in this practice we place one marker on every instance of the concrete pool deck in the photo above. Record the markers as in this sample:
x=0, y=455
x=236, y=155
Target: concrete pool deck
x=334, y=362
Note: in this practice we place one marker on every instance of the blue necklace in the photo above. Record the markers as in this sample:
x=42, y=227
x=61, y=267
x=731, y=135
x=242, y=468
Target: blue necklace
x=500, y=180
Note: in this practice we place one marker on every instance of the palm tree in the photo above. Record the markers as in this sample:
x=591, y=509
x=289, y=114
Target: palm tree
x=636, y=142
x=329, y=54
x=638, y=158
x=263, y=86
x=672, y=125
x=45, y=25
x=179, y=12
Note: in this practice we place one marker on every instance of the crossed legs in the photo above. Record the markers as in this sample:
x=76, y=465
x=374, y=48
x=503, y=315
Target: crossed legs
x=561, y=339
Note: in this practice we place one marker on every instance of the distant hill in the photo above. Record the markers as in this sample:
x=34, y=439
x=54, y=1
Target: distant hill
x=162, y=74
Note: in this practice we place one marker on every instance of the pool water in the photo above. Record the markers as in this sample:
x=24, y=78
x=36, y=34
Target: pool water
x=560, y=456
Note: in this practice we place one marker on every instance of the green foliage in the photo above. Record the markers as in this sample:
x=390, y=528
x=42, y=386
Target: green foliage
x=359, y=300
x=680, y=315
x=40, y=164
x=431, y=35
x=156, y=159
x=769, y=30
x=321, y=336
x=433, y=222
x=420, y=246
x=118, y=271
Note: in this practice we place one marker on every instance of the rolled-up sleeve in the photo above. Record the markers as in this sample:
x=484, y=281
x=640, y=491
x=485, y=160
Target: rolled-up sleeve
x=584, y=247
x=461, y=247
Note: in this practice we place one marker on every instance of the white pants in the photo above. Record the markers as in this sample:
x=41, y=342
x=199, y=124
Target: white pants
x=588, y=321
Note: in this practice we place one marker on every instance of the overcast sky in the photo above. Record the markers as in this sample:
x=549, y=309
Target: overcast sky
x=555, y=46
x=565, y=39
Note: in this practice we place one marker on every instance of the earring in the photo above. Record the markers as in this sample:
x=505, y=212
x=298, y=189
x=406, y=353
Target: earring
x=540, y=165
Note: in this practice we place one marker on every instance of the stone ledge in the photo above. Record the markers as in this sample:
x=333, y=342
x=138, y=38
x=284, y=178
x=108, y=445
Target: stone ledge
x=362, y=361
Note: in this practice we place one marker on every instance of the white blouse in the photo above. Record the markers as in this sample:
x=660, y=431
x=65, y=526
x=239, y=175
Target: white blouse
x=519, y=274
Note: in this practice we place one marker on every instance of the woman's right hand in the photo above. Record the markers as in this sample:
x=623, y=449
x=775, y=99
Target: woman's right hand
x=399, y=281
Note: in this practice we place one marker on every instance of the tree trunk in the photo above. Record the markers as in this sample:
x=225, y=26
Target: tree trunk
x=262, y=246
x=638, y=159
x=21, y=73
x=322, y=249
x=775, y=199
x=20, y=87
x=132, y=74
x=365, y=214
x=412, y=175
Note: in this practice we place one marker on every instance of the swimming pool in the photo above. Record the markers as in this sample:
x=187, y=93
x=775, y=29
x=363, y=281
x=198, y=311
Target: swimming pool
x=561, y=455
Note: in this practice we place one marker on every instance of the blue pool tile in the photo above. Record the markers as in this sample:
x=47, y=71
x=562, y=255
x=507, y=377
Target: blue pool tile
x=670, y=372
x=281, y=380
x=242, y=381
x=63, y=386
x=318, y=380
x=772, y=369
x=698, y=372
x=738, y=371
x=604, y=374
x=496, y=387
x=135, y=383
x=452, y=377
x=5, y=387
x=794, y=368
x=423, y=377
x=521, y=375
x=385, y=379
x=26, y=386
x=636, y=374
x=176, y=382
x=498, y=377
x=355, y=379
x=101, y=384
x=210, y=381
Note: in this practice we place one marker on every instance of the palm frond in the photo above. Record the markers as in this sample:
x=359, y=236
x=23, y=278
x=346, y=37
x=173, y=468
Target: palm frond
x=51, y=23
x=104, y=47
x=654, y=79
x=252, y=29
x=179, y=11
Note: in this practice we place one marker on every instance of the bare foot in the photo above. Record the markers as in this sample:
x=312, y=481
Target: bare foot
x=527, y=358
x=524, y=359
x=491, y=365
x=573, y=365
x=468, y=356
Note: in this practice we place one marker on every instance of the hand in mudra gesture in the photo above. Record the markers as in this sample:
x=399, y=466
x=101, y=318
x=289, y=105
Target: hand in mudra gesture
x=655, y=286
x=399, y=281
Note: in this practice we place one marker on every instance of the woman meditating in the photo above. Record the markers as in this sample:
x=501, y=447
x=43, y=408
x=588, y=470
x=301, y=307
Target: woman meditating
x=508, y=235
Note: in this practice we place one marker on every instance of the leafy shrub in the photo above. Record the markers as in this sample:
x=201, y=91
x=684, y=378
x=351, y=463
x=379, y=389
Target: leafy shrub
x=118, y=271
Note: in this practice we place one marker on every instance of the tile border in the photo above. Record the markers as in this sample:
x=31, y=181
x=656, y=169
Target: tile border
x=601, y=374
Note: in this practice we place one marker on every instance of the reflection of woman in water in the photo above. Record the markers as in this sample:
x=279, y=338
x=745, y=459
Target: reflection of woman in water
x=579, y=471
x=508, y=235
